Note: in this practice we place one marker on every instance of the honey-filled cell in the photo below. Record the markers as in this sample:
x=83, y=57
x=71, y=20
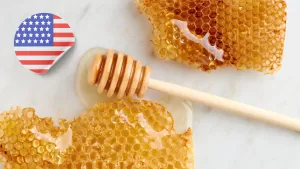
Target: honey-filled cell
x=127, y=133
x=234, y=23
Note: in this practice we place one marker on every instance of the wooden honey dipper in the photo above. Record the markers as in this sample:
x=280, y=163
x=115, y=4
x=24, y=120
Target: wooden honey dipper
x=119, y=74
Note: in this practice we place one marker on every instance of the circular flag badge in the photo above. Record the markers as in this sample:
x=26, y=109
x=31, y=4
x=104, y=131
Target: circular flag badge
x=41, y=40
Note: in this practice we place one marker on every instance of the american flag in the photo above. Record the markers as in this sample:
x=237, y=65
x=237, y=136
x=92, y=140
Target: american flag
x=41, y=40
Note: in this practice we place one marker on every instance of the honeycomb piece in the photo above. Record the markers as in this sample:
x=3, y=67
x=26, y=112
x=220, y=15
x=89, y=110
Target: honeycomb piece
x=208, y=34
x=122, y=134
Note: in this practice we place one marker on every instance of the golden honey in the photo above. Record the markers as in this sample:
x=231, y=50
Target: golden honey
x=125, y=134
x=208, y=34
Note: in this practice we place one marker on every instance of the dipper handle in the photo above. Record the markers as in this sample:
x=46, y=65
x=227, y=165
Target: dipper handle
x=227, y=105
x=119, y=74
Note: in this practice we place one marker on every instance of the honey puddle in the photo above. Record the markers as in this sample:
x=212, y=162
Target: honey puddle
x=181, y=110
x=124, y=134
x=88, y=94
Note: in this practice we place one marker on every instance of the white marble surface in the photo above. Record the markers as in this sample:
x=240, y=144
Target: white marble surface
x=222, y=141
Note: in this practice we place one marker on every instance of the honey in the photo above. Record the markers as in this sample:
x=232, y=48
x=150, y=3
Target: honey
x=121, y=134
x=208, y=34
x=88, y=94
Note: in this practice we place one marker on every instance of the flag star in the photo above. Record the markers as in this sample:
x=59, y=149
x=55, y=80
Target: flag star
x=34, y=16
x=30, y=35
x=23, y=29
x=49, y=35
x=24, y=23
x=41, y=41
x=35, y=41
x=47, y=41
x=18, y=29
x=19, y=35
x=41, y=28
x=30, y=23
x=17, y=40
x=35, y=29
x=29, y=28
x=47, y=16
x=24, y=34
x=29, y=17
x=48, y=22
x=36, y=35
x=43, y=35
x=29, y=41
x=23, y=41
x=43, y=23
x=36, y=23
x=41, y=16
x=47, y=29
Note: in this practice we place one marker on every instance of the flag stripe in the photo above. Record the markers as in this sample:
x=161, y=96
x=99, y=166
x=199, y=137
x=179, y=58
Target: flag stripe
x=42, y=48
x=61, y=25
x=36, y=62
x=38, y=66
x=56, y=17
x=51, y=39
x=59, y=21
x=62, y=30
x=63, y=43
x=39, y=71
x=38, y=57
x=63, y=34
x=38, y=53
x=60, y=39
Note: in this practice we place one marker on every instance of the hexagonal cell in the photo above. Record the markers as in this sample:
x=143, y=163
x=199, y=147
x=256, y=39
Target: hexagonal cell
x=199, y=7
x=205, y=11
x=219, y=35
x=176, y=5
x=212, y=31
x=205, y=27
x=128, y=147
x=213, y=7
x=192, y=5
x=191, y=27
x=199, y=14
x=212, y=22
x=136, y=147
x=213, y=14
x=191, y=11
x=177, y=11
x=192, y=19
x=184, y=15
x=122, y=139
x=212, y=40
x=205, y=19
x=117, y=147
x=131, y=140
x=125, y=133
x=199, y=23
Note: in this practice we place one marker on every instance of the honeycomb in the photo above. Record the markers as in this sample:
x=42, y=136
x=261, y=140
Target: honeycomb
x=126, y=134
x=208, y=34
